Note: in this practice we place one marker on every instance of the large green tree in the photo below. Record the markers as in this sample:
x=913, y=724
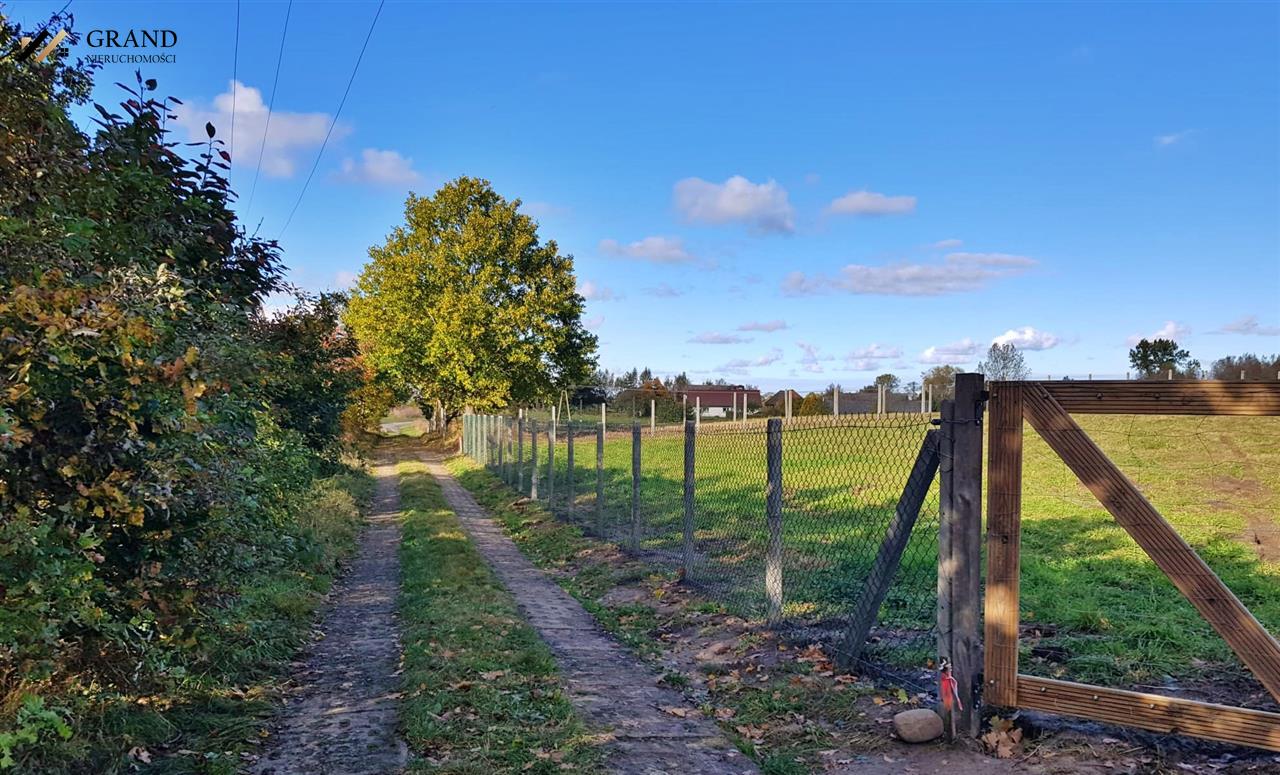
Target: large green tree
x=1155, y=358
x=466, y=305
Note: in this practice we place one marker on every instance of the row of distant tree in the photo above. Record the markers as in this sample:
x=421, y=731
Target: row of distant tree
x=1156, y=358
x=1150, y=359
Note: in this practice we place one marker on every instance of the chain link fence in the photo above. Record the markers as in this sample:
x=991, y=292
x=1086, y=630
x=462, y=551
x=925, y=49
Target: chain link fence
x=799, y=559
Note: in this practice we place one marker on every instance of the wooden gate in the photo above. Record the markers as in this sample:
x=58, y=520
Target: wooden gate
x=1048, y=408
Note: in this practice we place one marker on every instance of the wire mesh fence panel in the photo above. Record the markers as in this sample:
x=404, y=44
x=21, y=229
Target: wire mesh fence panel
x=730, y=536
x=661, y=507
x=841, y=485
x=1096, y=609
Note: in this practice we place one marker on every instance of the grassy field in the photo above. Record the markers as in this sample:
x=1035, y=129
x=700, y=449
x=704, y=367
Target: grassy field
x=481, y=690
x=1103, y=612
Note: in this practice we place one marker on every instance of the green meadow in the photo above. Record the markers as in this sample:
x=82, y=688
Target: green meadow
x=1095, y=607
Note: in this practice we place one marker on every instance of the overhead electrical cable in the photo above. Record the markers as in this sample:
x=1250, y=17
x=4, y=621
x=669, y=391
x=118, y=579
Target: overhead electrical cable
x=334, y=123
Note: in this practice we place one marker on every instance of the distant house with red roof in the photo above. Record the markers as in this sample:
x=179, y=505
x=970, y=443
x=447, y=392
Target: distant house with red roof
x=719, y=400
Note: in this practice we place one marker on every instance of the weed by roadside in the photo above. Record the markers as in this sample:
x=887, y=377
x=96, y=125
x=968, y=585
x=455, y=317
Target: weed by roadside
x=214, y=692
x=481, y=691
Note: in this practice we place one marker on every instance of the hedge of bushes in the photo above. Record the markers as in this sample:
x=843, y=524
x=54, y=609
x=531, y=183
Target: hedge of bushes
x=161, y=440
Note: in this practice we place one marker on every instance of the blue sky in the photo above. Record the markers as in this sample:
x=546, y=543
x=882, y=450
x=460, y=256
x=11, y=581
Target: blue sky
x=786, y=194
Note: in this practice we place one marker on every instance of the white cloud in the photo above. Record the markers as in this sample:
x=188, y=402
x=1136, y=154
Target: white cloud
x=290, y=134
x=763, y=325
x=345, y=280
x=812, y=359
x=1028, y=338
x=741, y=365
x=379, y=168
x=1172, y=139
x=958, y=273
x=962, y=350
x=1170, y=330
x=660, y=250
x=1249, y=325
x=715, y=337
x=874, y=352
x=947, y=244
x=593, y=292
x=663, y=291
x=871, y=203
x=762, y=206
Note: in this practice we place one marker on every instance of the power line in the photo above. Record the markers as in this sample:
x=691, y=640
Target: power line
x=271, y=106
x=235, y=77
x=333, y=123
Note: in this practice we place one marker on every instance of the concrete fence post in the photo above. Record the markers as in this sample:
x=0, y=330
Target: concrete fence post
x=520, y=453
x=551, y=462
x=773, y=517
x=690, y=449
x=533, y=459
x=600, y=526
x=697, y=412
x=499, y=429
x=568, y=466
x=635, y=487
x=653, y=416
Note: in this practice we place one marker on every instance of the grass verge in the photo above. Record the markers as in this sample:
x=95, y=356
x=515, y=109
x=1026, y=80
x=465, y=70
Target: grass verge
x=784, y=707
x=481, y=690
x=206, y=709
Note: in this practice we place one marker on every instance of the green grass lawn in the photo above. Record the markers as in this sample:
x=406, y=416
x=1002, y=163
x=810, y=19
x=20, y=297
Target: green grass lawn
x=1107, y=613
x=481, y=690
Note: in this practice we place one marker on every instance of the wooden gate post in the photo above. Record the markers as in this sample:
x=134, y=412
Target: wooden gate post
x=773, y=516
x=690, y=447
x=960, y=549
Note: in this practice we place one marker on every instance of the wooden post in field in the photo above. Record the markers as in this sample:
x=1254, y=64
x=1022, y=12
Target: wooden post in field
x=773, y=517
x=602, y=410
x=960, y=548
x=568, y=467
x=600, y=478
x=653, y=416
x=533, y=459
x=690, y=449
x=551, y=461
x=635, y=487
